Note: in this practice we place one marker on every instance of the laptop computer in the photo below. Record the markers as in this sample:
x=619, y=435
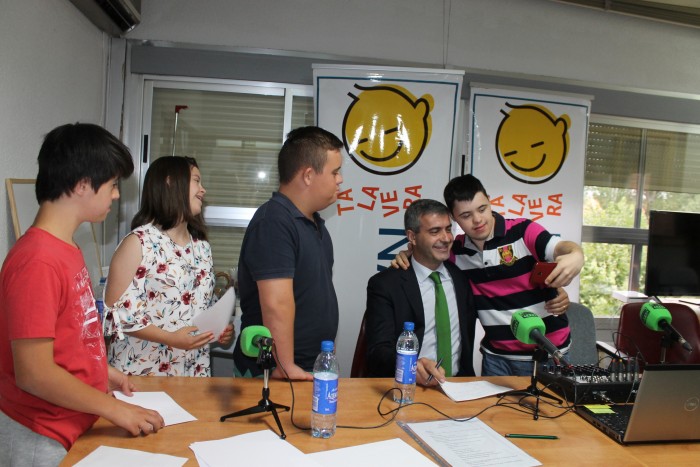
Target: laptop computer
x=666, y=408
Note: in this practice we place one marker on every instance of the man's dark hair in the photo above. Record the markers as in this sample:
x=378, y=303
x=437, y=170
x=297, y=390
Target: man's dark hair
x=418, y=208
x=463, y=188
x=75, y=152
x=165, y=199
x=305, y=147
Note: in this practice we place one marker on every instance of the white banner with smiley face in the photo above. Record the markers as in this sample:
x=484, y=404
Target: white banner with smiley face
x=399, y=129
x=529, y=151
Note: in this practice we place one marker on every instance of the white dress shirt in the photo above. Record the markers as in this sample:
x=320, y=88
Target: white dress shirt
x=427, y=291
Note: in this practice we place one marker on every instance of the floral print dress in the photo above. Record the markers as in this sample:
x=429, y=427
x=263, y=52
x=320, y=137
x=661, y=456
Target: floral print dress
x=171, y=286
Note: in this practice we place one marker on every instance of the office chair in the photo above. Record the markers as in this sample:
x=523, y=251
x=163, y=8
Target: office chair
x=583, y=339
x=359, y=359
x=634, y=338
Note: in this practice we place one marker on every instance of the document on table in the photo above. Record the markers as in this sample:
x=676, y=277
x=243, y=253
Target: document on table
x=459, y=392
x=106, y=456
x=258, y=448
x=161, y=402
x=217, y=317
x=470, y=443
x=389, y=452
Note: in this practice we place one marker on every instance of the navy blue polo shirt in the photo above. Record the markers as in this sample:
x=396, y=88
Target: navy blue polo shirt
x=280, y=242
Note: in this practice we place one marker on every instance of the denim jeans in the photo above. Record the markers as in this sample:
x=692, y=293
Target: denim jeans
x=494, y=365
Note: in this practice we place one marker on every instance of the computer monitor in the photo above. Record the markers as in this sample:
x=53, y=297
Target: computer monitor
x=673, y=254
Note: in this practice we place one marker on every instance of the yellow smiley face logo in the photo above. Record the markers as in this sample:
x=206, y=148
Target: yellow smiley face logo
x=386, y=129
x=531, y=144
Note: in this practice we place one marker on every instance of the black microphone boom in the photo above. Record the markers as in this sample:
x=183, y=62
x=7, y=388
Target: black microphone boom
x=675, y=335
x=546, y=345
x=657, y=317
x=263, y=341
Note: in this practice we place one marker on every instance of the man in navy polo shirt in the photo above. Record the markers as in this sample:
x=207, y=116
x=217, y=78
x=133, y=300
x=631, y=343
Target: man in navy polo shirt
x=286, y=262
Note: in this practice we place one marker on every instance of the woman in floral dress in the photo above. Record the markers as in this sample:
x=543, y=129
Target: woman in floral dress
x=161, y=276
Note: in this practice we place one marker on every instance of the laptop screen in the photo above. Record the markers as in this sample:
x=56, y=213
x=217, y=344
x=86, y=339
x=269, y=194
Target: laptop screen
x=667, y=406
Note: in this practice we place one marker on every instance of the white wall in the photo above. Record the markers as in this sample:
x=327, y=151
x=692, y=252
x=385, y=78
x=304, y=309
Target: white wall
x=53, y=60
x=540, y=38
x=52, y=71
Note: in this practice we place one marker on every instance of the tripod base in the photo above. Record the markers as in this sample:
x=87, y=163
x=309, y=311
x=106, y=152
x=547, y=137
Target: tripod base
x=265, y=404
x=532, y=390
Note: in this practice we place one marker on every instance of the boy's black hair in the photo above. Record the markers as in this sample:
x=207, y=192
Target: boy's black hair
x=463, y=188
x=165, y=199
x=75, y=152
x=305, y=147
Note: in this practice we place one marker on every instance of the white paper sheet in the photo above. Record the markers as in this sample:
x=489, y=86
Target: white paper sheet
x=390, y=452
x=471, y=443
x=459, y=392
x=106, y=456
x=258, y=448
x=161, y=402
x=217, y=317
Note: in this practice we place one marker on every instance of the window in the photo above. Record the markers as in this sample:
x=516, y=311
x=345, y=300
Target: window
x=235, y=133
x=632, y=167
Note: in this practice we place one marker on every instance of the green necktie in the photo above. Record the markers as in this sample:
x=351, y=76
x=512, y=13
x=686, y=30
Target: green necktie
x=442, y=325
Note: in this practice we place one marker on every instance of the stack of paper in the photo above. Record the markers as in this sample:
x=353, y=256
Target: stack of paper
x=469, y=443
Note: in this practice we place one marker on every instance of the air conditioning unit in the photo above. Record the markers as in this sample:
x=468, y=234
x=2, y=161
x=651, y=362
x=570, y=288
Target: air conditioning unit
x=115, y=17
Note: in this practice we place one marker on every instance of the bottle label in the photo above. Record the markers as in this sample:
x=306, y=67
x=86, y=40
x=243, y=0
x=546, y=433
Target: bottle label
x=325, y=398
x=406, y=364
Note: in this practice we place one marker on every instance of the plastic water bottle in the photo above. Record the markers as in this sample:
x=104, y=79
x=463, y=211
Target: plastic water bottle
x=99, y=297
x=406, y=363
x=325, y=398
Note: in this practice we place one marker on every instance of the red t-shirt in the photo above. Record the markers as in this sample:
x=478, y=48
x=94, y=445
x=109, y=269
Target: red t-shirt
x=46, y=293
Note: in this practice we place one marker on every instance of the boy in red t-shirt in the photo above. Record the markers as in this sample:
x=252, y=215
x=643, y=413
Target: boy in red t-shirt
x=54, y=378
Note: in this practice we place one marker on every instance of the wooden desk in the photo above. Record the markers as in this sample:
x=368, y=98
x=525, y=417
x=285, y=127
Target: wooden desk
x=210, y=398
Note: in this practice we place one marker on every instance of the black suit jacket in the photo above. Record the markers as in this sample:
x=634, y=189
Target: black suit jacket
x=393, y=297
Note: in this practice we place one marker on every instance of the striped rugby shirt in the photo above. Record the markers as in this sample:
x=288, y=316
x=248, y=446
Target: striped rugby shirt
x=500, y=280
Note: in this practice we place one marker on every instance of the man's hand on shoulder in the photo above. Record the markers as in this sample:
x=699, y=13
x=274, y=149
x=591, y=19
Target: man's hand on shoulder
x=402, y=259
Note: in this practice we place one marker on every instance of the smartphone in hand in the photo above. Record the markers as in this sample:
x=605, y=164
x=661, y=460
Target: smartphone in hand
x=540, y=272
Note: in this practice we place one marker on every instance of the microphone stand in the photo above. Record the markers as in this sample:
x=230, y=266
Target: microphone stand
x=265, y=361
x=538, y=357
x=666, y=342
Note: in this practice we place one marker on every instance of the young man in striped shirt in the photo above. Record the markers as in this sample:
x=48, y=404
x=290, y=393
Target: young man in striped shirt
x=498, y=255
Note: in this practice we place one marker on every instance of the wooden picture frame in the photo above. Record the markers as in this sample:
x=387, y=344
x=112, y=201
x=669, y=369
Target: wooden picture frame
x=23, y=209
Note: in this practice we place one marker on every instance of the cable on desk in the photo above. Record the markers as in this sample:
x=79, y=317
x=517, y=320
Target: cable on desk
x=394, y=412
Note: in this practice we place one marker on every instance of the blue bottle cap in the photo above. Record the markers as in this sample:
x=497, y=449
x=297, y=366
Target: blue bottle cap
x=327, y=346
x=408, y=326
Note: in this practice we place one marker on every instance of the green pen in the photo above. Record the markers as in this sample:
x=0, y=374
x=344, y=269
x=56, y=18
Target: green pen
x=520, y=435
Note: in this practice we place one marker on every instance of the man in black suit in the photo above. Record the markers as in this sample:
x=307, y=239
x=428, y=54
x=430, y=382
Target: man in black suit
x=395, y=296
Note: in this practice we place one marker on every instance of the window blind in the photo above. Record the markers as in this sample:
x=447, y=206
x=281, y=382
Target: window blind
x=235, y=138
x=672, y=159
